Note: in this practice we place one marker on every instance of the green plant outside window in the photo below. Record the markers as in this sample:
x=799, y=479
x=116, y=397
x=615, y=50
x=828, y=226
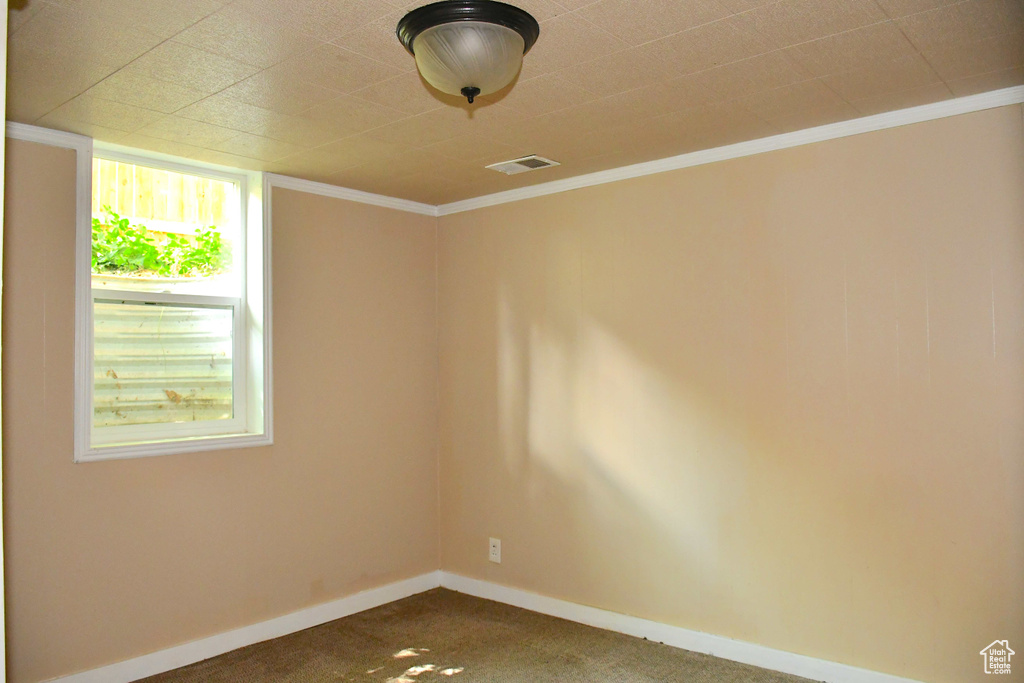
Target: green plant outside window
x=119, y=248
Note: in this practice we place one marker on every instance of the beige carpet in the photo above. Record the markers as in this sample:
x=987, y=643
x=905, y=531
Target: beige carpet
x=442, y=636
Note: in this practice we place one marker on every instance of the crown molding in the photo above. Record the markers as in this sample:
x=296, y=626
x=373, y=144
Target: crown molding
x=832, y=131
x=312, y=187
x=48, y=136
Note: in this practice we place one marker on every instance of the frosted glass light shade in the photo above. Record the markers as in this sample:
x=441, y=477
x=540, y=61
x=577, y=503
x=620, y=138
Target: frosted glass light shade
x=468, y=47
x=469, y=54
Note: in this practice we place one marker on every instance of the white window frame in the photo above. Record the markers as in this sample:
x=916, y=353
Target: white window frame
x=252, y=422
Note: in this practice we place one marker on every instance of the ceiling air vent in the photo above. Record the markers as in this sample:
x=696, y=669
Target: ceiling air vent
x=522, y=165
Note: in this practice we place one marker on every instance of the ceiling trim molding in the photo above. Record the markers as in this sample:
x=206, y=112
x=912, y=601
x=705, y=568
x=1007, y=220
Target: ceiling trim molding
x=337, y=192
x=832, y=131
x=47, y=136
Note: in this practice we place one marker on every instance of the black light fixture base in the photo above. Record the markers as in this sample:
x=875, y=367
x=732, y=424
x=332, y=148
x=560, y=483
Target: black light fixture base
x=449, y=11
x=470, y=93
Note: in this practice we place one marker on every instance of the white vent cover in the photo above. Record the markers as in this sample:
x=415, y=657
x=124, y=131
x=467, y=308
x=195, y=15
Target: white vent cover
x=523, y=164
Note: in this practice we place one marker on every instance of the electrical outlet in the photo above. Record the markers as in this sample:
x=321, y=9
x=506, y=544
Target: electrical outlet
x=494, y=550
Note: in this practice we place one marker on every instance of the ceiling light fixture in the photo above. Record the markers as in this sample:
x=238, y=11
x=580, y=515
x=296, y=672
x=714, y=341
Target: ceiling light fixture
x=468, y=47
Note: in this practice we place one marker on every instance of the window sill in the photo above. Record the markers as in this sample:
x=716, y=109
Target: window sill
x=172, y=447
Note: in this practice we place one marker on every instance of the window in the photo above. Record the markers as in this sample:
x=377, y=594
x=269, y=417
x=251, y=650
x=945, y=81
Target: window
x=172, y=324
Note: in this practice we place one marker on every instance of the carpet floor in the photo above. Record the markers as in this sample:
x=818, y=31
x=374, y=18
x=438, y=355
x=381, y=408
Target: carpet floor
x=446, y=637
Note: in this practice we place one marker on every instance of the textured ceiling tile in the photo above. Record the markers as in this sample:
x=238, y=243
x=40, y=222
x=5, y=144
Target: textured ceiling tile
x=81, y=128
x=475, y=148
x=714, y=126
x=424, y=129
x=245, y=37
x=993, y=80
x=352, y=114
x=905, y=73
x=685, y=92
x=432, y=194
x=18, y=17
x=274, y=90
x=610, y=142
x=161, y=145
x=757, y=74
x=303, y=165
x=518, y=134
x=812, y=118
x=738, y=6
x=335, y=68
x=299, y=131
x=650, y=137
x=163, y=18
x=338, y=155
x=868, y=47
x=542, y=10
x=708, y=46
x=903, y=99
x=495, y=123
x=612, y=111
x=256, y=147
x=323, y=19
x=571, y=5
x=538, y=96
x=100, y=112
x=408, y=6
x=796, y=21
x=585, y=97
x=373, y=177
x=73, y=37
x=408, y=93
x=377, y=40
x=969, y=38
x=459, y=172
x=647, y=103
x=956, y=61
x=901, y=8
x=191, y=68
x=964, y=22
x=227, y=113
x=791, y=101
x=37, y=84
x=620, y=72
x=422, y=161
x=185, y=131
x=641, y=21
x=212, y=156
x=545, y=135
x=567, y=40
x=132, y=87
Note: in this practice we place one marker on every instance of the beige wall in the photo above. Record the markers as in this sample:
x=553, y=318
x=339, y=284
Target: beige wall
x=779, y=398
x=106, y=561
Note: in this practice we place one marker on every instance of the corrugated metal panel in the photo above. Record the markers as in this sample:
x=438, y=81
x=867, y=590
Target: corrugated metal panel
x=160, y=363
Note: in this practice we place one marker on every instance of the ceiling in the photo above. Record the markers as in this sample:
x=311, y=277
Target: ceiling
x=322, y=89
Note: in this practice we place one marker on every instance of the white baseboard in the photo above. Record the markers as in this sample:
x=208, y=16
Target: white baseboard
x=695, y=641
x=198, y=650
x=726, y=648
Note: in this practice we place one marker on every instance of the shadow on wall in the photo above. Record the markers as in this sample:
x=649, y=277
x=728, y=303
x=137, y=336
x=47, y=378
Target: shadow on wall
x=746, y=422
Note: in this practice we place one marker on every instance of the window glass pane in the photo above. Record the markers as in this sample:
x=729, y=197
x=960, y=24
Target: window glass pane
x=155, y=230
x=157, y=363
